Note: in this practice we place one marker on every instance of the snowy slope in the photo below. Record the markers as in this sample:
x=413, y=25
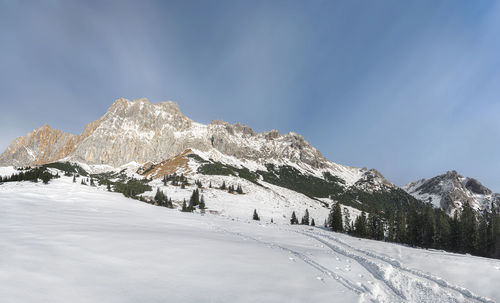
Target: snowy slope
x=65, y=242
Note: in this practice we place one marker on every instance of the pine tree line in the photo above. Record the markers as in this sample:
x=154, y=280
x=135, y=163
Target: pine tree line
x=176, y=180
x=230, y=188
x=306, y=220
x=468, y=231
x=32, y=174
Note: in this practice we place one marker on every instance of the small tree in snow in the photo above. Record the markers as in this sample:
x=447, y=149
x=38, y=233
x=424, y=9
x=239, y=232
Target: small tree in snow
x=294, y=219
x=305, y=218
x=255, y=215
x=184, y=206
x=202, y=203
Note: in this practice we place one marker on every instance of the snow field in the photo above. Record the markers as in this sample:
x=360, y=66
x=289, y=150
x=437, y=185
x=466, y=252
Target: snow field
x=67, y=242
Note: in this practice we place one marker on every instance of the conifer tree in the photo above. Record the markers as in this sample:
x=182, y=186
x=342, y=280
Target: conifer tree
x=414, y=227
x=74, y=179
x=92, y=182
x=108, y=187
x=305, y=218
x=469, y=235
x=312, y=222
x=378, y=227
x=294, y=219
x=335, y=218
x=442, y=235
x=360, y=225
x=202, y=203
x=483, y=236
x=428, y=226
x=160, y=197
x=347, y=220
x=46, y=178
x=184, y=206
x=495, y=234
x=210, y=184
x=195, y=198
x=255, y=215
x=223, y=186
x=239, y=190
x=391, y=226
x=455, y=237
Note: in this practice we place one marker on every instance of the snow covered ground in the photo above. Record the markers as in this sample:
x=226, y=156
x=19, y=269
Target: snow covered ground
x=65, y=242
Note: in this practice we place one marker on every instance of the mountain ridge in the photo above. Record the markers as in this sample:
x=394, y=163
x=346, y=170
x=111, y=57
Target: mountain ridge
x=149, y=134
x=140, y=131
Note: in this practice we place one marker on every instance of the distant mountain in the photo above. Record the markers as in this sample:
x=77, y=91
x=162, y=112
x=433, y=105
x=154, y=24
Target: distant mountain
x=157, y=139
x=450, y=191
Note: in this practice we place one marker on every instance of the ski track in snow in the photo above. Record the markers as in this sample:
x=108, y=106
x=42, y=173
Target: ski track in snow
x=396, y=282
x=393, y=269
x=334, y=275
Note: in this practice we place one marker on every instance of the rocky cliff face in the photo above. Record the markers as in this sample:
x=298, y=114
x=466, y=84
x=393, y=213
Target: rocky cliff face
x=451, y=191
x=41, y=146
x=144, y=132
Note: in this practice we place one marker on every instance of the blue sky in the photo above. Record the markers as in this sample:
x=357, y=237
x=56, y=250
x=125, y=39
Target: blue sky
x=411, y=88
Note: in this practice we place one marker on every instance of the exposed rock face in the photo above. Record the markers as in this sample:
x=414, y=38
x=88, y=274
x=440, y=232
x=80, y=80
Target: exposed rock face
x=42, y=145
x=451, y=191
x=141, y=131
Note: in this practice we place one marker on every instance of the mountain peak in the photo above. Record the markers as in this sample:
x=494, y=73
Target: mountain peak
x=140, y=131
x=170, y=106
x=451, y=191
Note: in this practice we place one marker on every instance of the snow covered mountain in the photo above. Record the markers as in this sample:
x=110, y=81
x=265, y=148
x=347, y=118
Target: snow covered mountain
x=142, y=133
x=451, y=191
x=157, y=139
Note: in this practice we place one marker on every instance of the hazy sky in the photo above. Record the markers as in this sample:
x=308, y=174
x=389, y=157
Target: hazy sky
x=411, y=88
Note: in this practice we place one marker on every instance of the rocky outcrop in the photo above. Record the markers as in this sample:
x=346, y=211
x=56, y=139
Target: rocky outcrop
x=40, y=146
x=140, y=131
